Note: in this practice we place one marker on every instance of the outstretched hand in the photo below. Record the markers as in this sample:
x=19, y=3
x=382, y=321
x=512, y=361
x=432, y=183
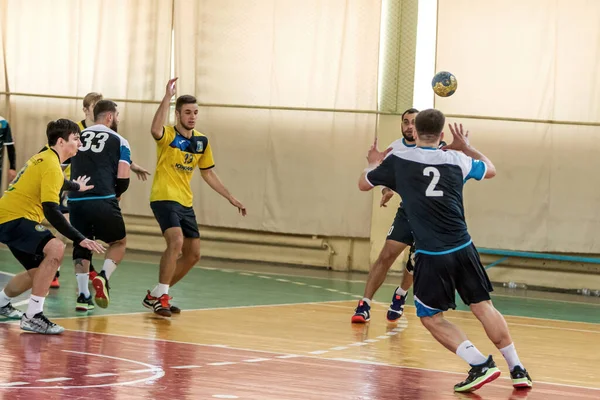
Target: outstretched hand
x=460, y=139
x=82, y=182
x=171, y=87
x=92, y=245
x=374, y=156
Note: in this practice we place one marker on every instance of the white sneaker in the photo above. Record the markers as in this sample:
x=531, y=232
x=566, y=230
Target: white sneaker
x=40, y=324
x=10, y=312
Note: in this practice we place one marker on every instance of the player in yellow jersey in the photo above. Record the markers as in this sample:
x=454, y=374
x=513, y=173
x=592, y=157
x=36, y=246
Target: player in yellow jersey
x=180, y=149
x=32, y=196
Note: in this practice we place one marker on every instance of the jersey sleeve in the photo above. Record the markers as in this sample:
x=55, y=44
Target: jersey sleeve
x=471, y=168
x=125, y=151
x=207, y=161
x=383, y=175
x=166, y=138
x=52, y=181
x=8, y=139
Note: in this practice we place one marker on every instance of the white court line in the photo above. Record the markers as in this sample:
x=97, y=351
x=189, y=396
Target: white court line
x=11, y=384
x=186, y=366
x=140, y=371
x=281, y=356
x=222, y=363
x=255, y=360
x=101, y=375
x=21, y=303
x=158, y=373
x=9, y=274
x=204, y=309
x=54, y=380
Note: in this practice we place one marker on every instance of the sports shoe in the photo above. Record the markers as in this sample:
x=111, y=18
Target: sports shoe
x=161, y=306
x=149, y=301
x=100, y=284
x=10, y=312
x=55, y=284
x=479, y=375
x=93, y=272
x=362, y=313
x=84, y=303
x=520, y=378
x=40, y=324
x=397, y=307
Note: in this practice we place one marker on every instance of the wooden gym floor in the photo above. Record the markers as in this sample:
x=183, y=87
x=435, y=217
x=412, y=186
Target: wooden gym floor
x=258, y=332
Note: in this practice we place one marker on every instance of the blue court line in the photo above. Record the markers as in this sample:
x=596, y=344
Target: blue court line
x=529, y=254
x=498, y=261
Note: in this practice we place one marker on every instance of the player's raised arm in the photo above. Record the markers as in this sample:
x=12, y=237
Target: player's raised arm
x=374, y=158
x=163, y=110
x=460, y=142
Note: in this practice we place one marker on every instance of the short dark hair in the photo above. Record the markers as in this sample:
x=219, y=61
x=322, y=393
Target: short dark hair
x=61, y=128
x=410, y=111
x=185, y=99
x=429, y=124
x=103, y=107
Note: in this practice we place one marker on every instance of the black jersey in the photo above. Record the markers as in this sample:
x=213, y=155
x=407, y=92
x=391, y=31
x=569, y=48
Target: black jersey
x=430, y=182
x=101, y=151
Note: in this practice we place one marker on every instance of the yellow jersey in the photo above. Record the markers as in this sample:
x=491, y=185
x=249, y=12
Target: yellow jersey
x=176, y=159
x=39, y=181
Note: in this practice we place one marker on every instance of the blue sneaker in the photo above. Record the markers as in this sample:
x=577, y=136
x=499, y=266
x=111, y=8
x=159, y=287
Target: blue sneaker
x=362, y=314
x=397, y=307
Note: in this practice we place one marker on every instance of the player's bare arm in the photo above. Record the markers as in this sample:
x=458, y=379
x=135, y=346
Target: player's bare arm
x=460, y=142
x=163, y=110
x=212, y=179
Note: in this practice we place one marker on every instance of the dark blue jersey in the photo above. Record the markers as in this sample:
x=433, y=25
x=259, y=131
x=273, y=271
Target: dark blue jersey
x=101, y=151
x=430, y=182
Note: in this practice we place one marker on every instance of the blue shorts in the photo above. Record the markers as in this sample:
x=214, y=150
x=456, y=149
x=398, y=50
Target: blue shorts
x=171, y=214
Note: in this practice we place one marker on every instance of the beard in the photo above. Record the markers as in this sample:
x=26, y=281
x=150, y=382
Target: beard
x=409, y=136
x=114, y=126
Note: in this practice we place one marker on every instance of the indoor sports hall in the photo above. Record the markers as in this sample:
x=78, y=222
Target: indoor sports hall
x=292, y=96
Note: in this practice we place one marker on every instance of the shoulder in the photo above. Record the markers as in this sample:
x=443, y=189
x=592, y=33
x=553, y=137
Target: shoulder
x=3, y=123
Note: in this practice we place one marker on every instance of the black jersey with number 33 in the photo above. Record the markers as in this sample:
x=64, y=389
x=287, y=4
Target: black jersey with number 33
x=101, y=151
x=430, y=182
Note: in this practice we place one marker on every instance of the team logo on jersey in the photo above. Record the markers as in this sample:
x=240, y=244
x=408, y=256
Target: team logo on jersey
x=40, y=228
x=199, y=147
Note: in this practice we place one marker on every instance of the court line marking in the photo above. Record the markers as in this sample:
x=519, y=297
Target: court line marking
x=54, y=380
x=281, y=355
x=186, y=366
x=157, y=374
x=200, y=309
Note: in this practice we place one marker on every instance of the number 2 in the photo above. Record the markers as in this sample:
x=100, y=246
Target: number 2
x=431, y=191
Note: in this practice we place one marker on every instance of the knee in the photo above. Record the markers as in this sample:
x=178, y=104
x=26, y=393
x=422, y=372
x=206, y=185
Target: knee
x=387, y=257
x=55, y=250
x=175, y=244
x=482, y=308
x=193, y=256
x=430, y=323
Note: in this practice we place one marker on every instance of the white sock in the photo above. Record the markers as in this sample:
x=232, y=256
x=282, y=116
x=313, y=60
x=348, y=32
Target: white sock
x=511, y=357
x=159, y=290
x=468, y=352
x=82, y=283
x=368, y=301
x=4, y=299
x=109, y=267
x=36, y=305
x=401, y=291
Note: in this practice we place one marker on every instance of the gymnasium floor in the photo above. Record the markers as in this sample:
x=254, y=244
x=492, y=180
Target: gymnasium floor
x=261, y=332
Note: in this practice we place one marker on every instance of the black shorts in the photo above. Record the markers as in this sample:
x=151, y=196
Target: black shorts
x=438, y=276
x=26, y=239
x=171, y=214
x=400, y=230
x=99, y=219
